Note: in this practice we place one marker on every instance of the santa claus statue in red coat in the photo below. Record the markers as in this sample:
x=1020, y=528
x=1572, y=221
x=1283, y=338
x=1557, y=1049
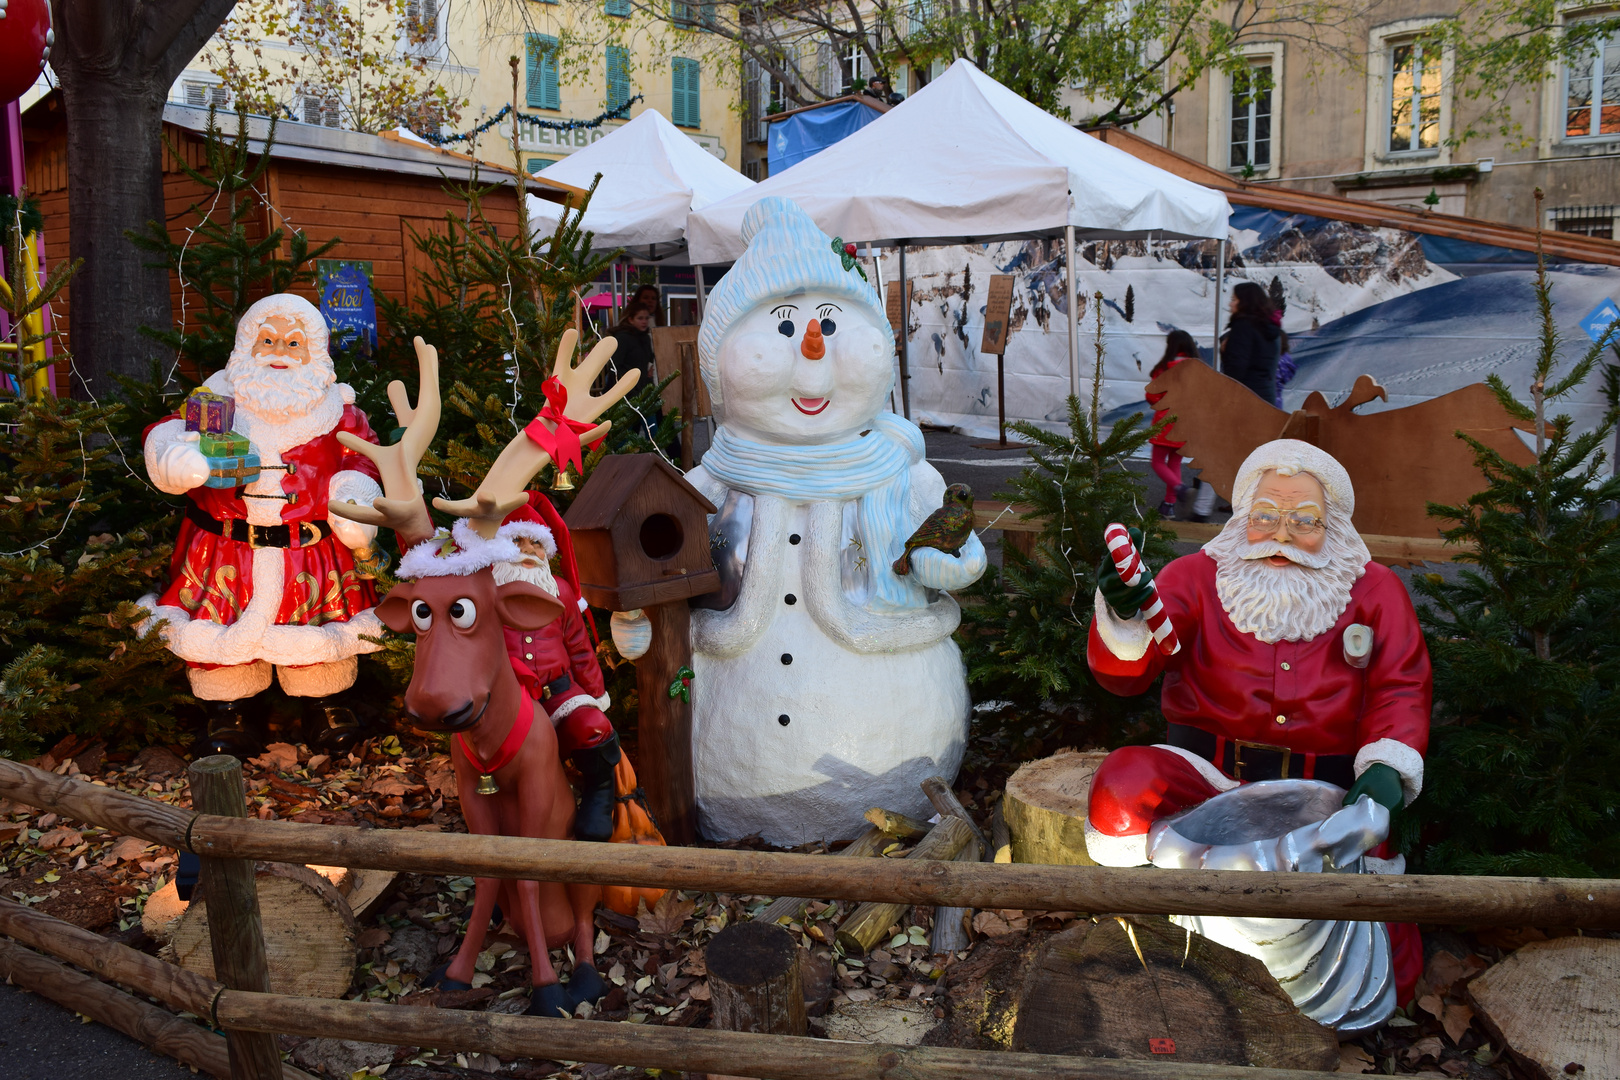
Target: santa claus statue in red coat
x=262, y=580
x=1299, y=658
x=557, y=664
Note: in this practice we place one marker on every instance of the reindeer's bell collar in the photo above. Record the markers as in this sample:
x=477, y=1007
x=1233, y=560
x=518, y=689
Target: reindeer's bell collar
x=487, y=784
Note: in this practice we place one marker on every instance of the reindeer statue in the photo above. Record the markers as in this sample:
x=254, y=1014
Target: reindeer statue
x=509, y=775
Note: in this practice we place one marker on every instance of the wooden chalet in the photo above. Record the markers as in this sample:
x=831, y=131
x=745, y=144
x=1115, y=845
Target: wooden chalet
x=370, y=191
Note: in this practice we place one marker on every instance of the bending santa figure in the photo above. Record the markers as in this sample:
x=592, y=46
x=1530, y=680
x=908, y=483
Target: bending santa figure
x=261, y=577
x=1300, y=659
x=557, y=664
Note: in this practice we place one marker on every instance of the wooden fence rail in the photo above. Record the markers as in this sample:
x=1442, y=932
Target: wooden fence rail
x=1477, y=901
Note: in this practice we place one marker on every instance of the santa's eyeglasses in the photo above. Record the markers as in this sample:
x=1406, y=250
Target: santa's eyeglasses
x=1299, y=523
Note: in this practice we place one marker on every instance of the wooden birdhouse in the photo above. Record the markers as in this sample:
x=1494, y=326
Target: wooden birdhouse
x=641, y=535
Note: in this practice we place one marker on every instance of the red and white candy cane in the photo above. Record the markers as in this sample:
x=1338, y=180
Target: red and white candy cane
x=1128, y=564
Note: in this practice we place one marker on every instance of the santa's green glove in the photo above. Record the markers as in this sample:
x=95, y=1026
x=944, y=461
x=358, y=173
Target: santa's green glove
x=1126, y=600
x=1382, y=784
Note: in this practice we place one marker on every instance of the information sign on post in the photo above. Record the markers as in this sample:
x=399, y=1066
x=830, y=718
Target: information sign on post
x=997, y=310
x=347, y=304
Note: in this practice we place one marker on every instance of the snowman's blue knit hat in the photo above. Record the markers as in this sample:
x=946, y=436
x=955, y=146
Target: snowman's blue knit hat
x=787, y=255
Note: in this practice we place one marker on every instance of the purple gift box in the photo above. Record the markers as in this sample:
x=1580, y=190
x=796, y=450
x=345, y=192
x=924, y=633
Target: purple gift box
x=209, y=412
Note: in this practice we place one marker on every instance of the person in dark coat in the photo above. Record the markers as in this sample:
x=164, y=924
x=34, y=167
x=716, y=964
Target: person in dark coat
x=650, y=297
x=1252, y=345
x=635, y=351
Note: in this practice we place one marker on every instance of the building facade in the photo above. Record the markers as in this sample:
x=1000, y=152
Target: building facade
x=1383, y=130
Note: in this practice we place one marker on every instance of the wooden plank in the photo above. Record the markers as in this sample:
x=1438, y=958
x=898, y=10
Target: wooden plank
x=1481, y=901
x=235, y=926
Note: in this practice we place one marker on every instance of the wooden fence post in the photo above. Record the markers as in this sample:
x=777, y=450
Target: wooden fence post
x=664, y=734
x=234, y=925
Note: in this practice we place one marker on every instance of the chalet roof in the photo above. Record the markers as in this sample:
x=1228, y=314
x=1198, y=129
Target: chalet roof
x=1274, y=196
x=600, y=501
x=313, y=143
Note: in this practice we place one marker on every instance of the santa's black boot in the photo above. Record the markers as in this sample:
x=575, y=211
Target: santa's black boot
x=330, y=726
x=232, y=728
x=595, y=764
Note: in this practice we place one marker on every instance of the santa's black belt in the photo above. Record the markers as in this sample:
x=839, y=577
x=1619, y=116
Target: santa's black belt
x=259, y=536
x=1260, y=761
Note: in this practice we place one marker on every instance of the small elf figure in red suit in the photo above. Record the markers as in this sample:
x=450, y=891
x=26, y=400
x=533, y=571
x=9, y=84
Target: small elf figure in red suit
x=1300, y=658
x=557, y=664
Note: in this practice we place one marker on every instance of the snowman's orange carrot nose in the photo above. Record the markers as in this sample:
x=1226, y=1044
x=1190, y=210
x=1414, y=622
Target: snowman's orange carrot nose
x=814, y=346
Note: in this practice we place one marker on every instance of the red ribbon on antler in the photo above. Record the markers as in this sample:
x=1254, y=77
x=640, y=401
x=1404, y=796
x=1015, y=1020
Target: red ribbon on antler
x=561, y=439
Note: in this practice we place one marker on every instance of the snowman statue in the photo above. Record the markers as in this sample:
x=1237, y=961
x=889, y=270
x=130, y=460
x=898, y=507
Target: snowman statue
x=825, y=683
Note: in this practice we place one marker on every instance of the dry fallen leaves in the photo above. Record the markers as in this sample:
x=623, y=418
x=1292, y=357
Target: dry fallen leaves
x=1353, y=1059
x=61, y=836
x=666, y=917
x=280, y=756
x=126, y=849
x=1456, y=1020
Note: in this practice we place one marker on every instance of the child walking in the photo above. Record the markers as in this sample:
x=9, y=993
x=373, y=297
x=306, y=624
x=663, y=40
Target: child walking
x=1178, y=346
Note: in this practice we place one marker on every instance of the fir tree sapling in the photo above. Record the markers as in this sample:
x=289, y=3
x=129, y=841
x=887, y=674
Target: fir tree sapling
x=1024, y=629
x=1524, y=760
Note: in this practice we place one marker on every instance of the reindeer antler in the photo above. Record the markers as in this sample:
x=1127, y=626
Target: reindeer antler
x=502, y=490
x=401, y=507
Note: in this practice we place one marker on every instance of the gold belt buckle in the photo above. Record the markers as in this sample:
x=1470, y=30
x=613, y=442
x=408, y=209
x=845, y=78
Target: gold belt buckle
x=253, y=535
x=314, y=533
x=1238, y=746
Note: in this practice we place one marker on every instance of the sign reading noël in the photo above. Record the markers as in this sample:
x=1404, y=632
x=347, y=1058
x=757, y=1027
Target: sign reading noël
x=997, y=309
x=347, y=304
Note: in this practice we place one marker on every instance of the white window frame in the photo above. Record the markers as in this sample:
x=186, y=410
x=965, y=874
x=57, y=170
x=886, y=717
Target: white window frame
x=330, y=104
x=1382, y=41
x=434, y=47
x=1258, y=54
x=1558, y=115
x=211, y=83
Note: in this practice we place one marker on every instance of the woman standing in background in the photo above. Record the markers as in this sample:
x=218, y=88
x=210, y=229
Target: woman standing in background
x=1250, y=349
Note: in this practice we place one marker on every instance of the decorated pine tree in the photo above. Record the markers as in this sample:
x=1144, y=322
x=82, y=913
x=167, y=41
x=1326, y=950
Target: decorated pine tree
x=1523, y=769
x=1024, y=629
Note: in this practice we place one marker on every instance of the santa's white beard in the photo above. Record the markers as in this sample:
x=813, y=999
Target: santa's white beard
x=278, y=395
x=1284, y=603
x=538, y=574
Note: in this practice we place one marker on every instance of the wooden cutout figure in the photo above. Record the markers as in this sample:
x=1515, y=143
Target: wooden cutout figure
x=1398, y=459
x=509, y=774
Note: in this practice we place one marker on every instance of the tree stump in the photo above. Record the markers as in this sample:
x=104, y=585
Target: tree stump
x=754, y=980
x=309, y=933
x=1091, y=992
x=1045, y=808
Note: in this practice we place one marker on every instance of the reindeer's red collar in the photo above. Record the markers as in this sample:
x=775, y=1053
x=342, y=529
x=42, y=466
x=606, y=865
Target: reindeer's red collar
x=509, y=748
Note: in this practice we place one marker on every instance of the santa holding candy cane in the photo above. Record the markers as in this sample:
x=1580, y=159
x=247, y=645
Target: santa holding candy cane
x=1298, y=657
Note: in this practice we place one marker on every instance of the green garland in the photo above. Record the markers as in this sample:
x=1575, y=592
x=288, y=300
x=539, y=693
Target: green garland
x=532, y=121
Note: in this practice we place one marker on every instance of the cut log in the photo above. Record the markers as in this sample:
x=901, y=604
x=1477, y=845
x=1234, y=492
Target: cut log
x=945, y=801
x=754, y=980
x=163, y=909
x=309, y=933
x=1000, y=835
x=869, y=924
x=897, y=825
x=1095, y=992
x=789, y=908
x=1045, y=808
x=950, y=929
x=1555, y=1003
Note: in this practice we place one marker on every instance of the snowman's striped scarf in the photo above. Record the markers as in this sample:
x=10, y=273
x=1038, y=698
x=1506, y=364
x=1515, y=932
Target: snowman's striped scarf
x=874, y=469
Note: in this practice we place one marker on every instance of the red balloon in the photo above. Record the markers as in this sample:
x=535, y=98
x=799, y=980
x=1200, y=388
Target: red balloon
x=25, y=45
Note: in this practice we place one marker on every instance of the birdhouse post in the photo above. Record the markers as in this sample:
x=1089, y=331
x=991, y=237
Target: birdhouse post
x=641, y=536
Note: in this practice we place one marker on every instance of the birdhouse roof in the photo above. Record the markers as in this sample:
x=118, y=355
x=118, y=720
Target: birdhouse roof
x=617, y=477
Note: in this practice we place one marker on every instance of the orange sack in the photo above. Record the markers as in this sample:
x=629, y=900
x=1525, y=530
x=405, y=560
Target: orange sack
x=632, y=824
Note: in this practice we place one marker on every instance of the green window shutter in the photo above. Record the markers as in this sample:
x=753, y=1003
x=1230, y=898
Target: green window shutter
x=540, y=73
x=685, y=82
x=618, y=76
x=538, y=163
x=617, y=7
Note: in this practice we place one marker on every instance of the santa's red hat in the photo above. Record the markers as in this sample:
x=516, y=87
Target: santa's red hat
x=540, y=522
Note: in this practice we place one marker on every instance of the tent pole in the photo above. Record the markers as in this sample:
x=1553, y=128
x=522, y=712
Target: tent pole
x=613, y=289
x=697, y=278
x=1074, y=317
x=1220, y=281
x=905, y=336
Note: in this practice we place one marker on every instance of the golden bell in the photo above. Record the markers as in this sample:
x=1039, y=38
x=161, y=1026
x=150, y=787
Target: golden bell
x=487, y=785
x=561, y=482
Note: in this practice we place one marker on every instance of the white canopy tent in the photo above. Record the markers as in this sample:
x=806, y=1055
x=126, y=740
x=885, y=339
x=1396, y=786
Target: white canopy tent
x=653, y=177
x=966, y=159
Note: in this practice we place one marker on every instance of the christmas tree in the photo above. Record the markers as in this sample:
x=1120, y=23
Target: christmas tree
x=1024, y=629
x=1523, y=769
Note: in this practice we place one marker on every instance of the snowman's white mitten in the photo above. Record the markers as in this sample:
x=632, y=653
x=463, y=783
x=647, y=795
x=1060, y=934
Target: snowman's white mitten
x=173, y=461
x=632, y=633
x=936, y=569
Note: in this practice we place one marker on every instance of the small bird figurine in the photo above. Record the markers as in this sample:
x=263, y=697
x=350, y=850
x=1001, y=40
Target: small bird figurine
x=946, y=529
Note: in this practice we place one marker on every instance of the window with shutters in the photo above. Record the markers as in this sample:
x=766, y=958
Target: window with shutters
x=322, y=110
x=621, y=8
x=686, y=80
x=535, y=164
x=422, y=23
x=540, y=77
x=691, y=16
x=618, y=76
x=201, y=95
x=1250, y=143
